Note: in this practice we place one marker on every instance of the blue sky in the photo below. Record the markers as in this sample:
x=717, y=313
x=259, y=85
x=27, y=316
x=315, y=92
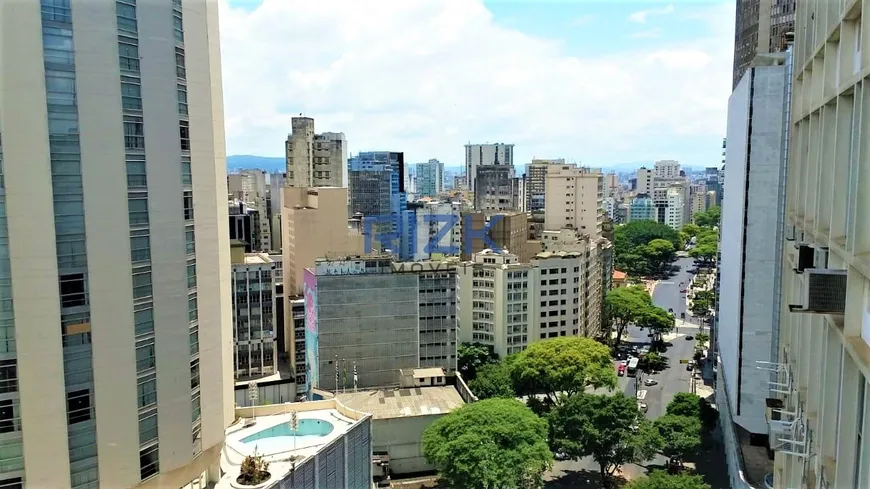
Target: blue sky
x=594, y=82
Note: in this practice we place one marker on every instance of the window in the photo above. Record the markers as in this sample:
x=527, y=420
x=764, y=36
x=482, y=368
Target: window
x=194, y=373
x=62, y=123
x=184, y=134
x=142, y=285
x=140, y=249
x=9, y=421
x=194, y=342
x=195, y=411
x=60, y=87
x=137, y=209
x=55, y=11
x=57, y=45
x=131, y=96
x=78, y=406
x=192, y=312
x=147, y=390
x=191, y=274
x=136, y=172
x=128, y=57
x=72, y=290
x=149, y=462
x=143, y=322
x=178, y=26
x=8, y=376
x=126, y=17
x=147, y=426
x=180, y=70
x=182, y=107
x=145, y=356
x=134, y=135
x=188, y=205
x=190, y=240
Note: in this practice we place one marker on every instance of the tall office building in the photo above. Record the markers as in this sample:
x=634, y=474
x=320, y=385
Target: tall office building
x=574, y=199
x=667, y=169
x=761, y=26
x=484, y=155
x=315, y=160
x=430, y=178
x=496, y=189
x=824, y=334
x=116, y=350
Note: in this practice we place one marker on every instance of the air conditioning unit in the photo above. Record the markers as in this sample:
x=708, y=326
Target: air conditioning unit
x=823, y=292
x=806, y=258
x=821, y=258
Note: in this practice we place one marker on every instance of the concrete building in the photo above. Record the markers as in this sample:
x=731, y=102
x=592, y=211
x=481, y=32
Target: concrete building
x=373, y=317
x=536, y=183
x=477, y=155
x=378, y=192
x=667, y=169
x=699, y=201
x=439, y=230
x=761, y=26
x=315, y=160
x=506, y=230
x=430, y=178
x=611, y=186
x=749, y=270
x=826, y=353
x=114, y=252
x=641, y=208
x=255, y=348
x=496, y=189
x=574, y=199
x=674, y=209
x=251, y=187
x=334, y=452
x=645, y=178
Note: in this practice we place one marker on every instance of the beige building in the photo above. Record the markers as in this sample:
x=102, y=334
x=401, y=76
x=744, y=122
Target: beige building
x=574, y=199
x=251, y=188
x=645, y=181
x=117, y=340
x=827, y=354
x=509, y=233
x=667, y=169
x=699, y=201
x=315, y=160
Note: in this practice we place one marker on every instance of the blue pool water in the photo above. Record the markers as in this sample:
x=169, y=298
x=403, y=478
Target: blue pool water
x=307, y=427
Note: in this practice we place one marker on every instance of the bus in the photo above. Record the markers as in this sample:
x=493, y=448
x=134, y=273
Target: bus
x=632, y=367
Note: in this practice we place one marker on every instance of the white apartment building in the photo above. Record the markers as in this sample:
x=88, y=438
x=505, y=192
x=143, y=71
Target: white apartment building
x=315, y=160
x=674, y=207
x=484, y=155
x=117, y=340
x=535, y=186
x=645, y=181
x=255, y=340
x=574, y=199
x=432, y=219
x=508, y=305
x=699, y=200
x=667, y=169
x=827, y=354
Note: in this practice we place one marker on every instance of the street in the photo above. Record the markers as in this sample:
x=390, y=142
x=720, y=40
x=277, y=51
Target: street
x=674, y=379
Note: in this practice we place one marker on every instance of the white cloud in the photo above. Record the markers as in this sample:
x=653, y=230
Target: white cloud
x=649, y=34
x=428, y=76
x=640, y=17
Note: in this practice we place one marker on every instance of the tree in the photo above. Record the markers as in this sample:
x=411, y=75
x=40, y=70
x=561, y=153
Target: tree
x=702, y=338
x=655, y=318
x=623, y=305
x=493, y=380
x=706, y=295
x=700, y=307
x=682, y=435
x=659, y=479
x=692, y=406
x=631, y=246
x=254, y=470
x=659, y=252
x=490, y=444
x=709, y=218
x=691, y=229
x=705, y=253
x=611, y=429
x=654, y=362
x=562, y=365
x=472, y=356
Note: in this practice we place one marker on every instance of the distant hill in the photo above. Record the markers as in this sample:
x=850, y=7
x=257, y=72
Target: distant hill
x=268, y=163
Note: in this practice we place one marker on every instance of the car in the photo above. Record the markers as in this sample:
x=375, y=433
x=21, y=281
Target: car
x=683, y=291
x=620, y=371
x=642, y=406
x=560, y=455
x=649, y=382
x=690, y=365
x=690, y=338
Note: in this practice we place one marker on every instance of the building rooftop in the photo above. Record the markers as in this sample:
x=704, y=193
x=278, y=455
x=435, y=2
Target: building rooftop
x=399, y=403
x=617, y=275
x=425, y=373
x=257, y=259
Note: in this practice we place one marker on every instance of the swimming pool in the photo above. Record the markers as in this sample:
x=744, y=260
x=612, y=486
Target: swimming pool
x=307, y=427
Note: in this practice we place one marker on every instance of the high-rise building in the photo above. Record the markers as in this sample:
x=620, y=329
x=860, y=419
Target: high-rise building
x=644, y=181
x=674, y=209
x=439, y=230
x=484, y=155
x=251, y=187
x=667, y=169
x=508, y=231
x=641, y=208
x=378, y=192
x=255, y=342
x=496, y=189
x=536, y=183
x=574, y=199
x=116, y=350
x=315, y=160
x=761, y=26
x=430, y=178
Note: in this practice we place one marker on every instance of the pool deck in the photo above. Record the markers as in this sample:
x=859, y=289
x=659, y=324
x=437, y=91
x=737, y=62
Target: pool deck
x=280, y=451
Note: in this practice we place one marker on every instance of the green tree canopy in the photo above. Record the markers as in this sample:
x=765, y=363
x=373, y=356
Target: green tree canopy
x=472, y=356
x=701, y=307
x=704, y=252
x=635, y=251
x=565, y=364
x=623, y=306
x=610, y=429
x=659, y=252
x=656, y=319
x=493, y=380
x=709, y=218
x=682, y=435
x=692, y=406
x=707, y=295
x=691, y=229
x=654, y=362
x=659, y=479
x=490, y=444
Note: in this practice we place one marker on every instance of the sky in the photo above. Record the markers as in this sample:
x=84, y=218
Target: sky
x=596, y=82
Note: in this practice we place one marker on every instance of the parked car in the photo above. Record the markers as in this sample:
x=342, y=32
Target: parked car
x=620, y=371
x=683, y=291
x=690, y=365
x=690, y=338
x=650, y=382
